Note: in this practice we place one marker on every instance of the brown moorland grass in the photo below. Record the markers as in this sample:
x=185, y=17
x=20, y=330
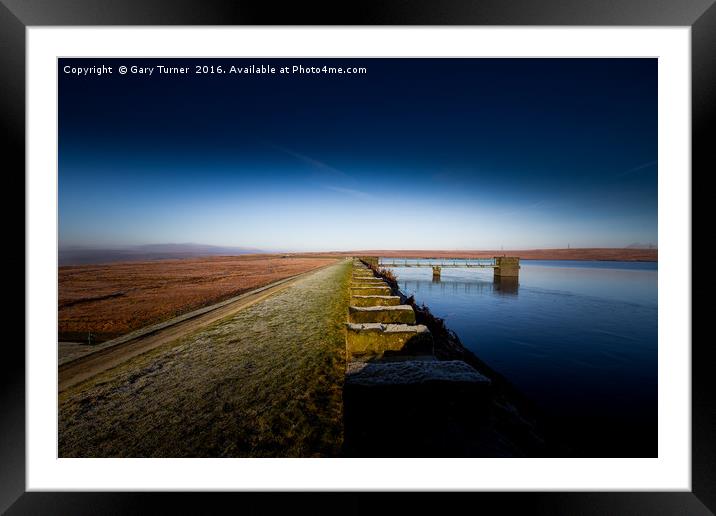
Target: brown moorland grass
x=113, y=299
x=265, y=382
x=609, y=254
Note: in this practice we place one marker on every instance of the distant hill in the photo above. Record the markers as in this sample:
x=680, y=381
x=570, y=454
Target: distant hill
x=87, y=255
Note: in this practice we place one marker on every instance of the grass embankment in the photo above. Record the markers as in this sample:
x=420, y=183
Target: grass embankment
x=264, y=382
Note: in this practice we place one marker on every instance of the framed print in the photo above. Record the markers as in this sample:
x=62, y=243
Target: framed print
x=394, y=250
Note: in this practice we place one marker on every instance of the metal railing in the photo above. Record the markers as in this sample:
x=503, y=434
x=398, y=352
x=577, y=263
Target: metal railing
x=442, y=263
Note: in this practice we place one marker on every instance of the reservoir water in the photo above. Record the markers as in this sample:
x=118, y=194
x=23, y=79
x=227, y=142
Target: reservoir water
x=578, y=338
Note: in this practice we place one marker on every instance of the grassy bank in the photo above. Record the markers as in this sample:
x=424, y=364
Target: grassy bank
x=265, y=382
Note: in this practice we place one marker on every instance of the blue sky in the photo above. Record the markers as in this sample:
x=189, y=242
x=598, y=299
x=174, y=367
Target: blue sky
x=415, y=154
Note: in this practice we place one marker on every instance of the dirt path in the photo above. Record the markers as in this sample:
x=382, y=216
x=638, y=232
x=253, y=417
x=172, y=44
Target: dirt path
x=87, y=366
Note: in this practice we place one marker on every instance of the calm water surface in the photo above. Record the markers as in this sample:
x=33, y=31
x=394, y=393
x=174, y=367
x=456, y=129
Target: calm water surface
x=578, y=338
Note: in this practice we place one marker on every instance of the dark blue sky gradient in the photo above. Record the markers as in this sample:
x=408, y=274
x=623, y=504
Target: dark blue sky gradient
x=417, y=153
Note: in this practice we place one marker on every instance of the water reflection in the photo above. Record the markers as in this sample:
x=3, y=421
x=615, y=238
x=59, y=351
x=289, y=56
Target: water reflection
x=507, y=286
x=578, y=338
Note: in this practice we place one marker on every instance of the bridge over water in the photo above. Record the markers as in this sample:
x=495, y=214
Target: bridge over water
x=503, y=266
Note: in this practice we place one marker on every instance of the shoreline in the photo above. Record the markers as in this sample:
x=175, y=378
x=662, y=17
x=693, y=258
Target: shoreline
x=600, y=254
x=515, y=415
x=561, y=433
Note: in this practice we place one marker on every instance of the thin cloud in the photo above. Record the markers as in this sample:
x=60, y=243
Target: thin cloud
x=324, y=167
x=320, y=165
x=364, y=196
x=638, y=168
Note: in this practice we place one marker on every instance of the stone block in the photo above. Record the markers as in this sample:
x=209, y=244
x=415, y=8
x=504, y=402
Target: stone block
x=375, y=300
x=368, y=282
x=371, y=291
x=415, y=408
x=382, y=314
x=379, y=338
x=414, y=372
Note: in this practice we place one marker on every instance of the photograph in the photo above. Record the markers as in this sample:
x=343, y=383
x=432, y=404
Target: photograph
x=357, y=257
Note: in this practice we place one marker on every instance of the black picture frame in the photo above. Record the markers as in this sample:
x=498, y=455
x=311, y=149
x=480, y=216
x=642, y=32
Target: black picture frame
x=17, y=15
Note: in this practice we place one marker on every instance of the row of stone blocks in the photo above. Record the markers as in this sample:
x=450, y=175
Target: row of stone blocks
x=377, y=322
x=386, y=348
x=398, y=399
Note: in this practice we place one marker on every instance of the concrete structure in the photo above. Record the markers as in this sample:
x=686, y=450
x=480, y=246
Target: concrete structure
x=398, y=397
x=382, y=314
x=370, y=291
x=375, y=300
x=378, y=323
x=414, y=372
x=507, y=266
x=377, y=338
x=367, y=282
x=372, y=260
x=503, y=266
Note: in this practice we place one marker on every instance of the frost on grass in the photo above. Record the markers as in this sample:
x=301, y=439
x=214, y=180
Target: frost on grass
x=264, y=382
x=115, y=299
